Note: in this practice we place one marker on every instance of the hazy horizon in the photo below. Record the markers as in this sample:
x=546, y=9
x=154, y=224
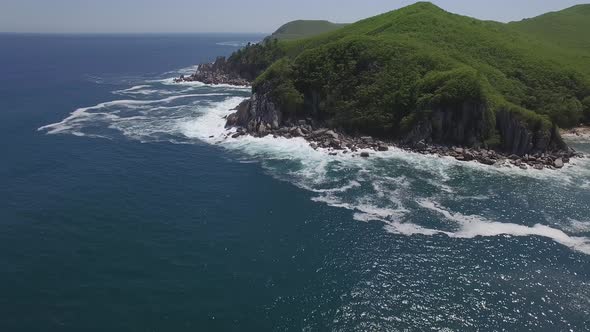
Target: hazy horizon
x=231, y=16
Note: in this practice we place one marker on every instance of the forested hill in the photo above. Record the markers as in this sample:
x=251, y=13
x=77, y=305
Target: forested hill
x=304, y=28
x=423, y=73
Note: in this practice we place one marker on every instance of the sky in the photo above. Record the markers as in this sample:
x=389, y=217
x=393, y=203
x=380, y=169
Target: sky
x=138, y=16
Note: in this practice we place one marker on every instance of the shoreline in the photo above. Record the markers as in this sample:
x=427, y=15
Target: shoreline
x=576, y=132
x=335, y=142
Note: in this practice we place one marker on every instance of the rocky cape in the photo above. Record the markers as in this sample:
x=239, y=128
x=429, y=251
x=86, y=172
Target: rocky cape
x=438, y=134
x=218, y=72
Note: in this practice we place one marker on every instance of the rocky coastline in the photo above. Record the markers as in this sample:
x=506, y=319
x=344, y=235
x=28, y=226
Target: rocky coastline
x=577, y=132
x=218, y=72
x=259, y=117
x=336, y=142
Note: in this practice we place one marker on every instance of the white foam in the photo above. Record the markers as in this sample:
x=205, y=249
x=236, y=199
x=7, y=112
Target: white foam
x=140, y=90
x=80, y=117
x=577, y=226
x=183, y=71
x=170, y=81
x=470, y=226
x=134, y=88
x=235, y=43
x=365, y=211
x=379, y=188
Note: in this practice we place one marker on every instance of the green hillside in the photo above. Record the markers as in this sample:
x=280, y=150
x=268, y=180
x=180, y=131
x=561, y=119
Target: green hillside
x=388, y=74
x=304, y=28
x=569, y=28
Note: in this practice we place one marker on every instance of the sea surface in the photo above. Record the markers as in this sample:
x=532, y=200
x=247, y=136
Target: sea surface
x=123, y=207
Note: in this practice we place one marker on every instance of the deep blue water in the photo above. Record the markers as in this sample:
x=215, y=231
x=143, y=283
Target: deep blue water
x=135, y=213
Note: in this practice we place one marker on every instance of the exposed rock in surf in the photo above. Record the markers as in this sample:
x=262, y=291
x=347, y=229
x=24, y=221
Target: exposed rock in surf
x=218, y=72
x=260, y=116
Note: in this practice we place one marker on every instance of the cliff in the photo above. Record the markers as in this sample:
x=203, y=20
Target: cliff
x=418, y=76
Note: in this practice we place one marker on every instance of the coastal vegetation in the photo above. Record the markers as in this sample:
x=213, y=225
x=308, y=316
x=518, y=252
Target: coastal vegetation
x=423, y=74
x=379, y=75
x=303, y=29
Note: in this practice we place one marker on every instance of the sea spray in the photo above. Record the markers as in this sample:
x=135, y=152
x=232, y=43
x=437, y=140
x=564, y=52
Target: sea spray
x=394, y=187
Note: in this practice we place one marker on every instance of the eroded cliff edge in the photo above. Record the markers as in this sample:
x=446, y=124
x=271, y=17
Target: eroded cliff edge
x=418, y=77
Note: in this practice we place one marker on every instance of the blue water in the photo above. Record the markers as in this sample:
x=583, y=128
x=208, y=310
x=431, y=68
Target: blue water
x=123, y=207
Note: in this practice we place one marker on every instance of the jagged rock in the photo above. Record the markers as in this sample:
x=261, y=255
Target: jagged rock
x=367, y=139
x=296, y=132
x=487, y=161
x=332, y=133
x=259, y=116
x=218, y=72
x=421, y=145
x=319, y=132
x=336, y=144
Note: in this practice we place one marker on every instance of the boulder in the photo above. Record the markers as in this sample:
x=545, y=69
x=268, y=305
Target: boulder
x=558, y=163
x=367, y=139
x=319, y=132
x=296, y=132
x=332, y=133
x=487, y=161
x=365, y=154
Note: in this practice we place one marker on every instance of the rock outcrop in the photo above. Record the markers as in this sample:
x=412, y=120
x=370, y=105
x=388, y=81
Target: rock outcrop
x=446, y=132
x=258, y=115
x=219, y=72
x=467, y=126
x=464, y=126
x=519, y=139
x=457, y=132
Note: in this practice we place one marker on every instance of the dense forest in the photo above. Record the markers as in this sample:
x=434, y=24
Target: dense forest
x=385, y=74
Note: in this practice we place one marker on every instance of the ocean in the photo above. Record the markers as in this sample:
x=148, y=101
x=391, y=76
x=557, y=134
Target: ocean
x=125, y=208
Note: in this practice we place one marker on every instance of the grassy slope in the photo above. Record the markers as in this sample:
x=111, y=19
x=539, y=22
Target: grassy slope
x=569, y=28
x=378, y=74
x=304, y=28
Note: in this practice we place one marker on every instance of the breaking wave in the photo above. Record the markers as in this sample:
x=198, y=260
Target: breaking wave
x=411, y=194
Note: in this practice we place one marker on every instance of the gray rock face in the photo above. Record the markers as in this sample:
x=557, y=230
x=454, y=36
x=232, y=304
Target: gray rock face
x=260, y=116
x=257, y=115
x=465, y=126
x=332, y=133
x=218, y=72
x=520, y=140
